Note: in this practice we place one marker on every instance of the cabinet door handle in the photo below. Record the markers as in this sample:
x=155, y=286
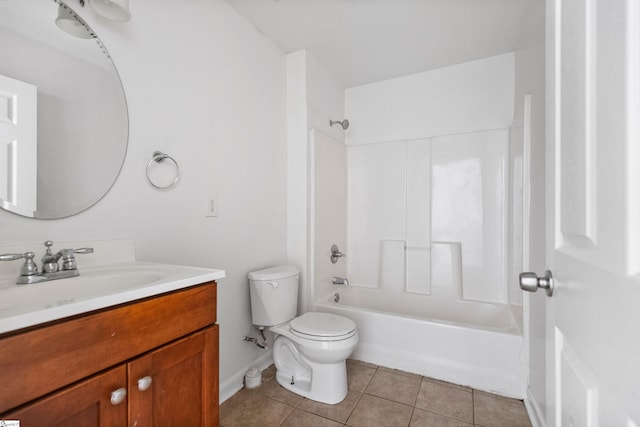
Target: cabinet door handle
x=144, y=383
x=118, y=396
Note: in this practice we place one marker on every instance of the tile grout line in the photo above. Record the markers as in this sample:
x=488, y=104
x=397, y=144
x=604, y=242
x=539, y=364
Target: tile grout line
x=473, y=406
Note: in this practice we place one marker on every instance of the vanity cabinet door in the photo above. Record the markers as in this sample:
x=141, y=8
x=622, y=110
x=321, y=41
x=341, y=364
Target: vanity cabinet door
x=86, y=404
x=176, y=385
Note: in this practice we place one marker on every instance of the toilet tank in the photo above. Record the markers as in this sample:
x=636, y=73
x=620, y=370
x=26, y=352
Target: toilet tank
x=274, y=295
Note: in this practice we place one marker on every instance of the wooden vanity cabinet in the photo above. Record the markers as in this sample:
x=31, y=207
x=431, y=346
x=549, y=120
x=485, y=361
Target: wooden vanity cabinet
x=168, y=383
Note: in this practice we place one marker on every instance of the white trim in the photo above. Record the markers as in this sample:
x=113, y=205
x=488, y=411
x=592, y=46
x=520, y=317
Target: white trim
x=235, y=383
x=533, y=410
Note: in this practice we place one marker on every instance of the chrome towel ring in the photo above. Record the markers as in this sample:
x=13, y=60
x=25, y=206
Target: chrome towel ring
x=159, y=157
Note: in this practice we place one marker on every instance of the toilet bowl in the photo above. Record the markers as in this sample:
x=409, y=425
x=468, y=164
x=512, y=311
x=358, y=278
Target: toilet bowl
x=310, y=350
x=310, y=361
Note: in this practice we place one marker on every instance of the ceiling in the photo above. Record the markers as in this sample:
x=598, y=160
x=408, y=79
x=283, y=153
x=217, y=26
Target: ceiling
x=364, y=41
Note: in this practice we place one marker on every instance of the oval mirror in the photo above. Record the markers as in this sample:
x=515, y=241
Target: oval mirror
x=64, y=125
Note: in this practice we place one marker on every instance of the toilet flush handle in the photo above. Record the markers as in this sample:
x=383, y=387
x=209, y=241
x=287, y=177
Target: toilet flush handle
x=274, y=284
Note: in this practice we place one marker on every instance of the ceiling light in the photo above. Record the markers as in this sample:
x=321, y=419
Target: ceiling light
x=68, y=22
x=116, y=10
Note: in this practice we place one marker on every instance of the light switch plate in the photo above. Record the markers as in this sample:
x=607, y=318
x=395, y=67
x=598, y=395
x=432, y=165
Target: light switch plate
x=212, y=205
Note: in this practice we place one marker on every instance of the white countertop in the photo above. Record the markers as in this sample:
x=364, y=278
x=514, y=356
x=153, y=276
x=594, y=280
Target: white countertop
x=22, y=306
x=97, y=287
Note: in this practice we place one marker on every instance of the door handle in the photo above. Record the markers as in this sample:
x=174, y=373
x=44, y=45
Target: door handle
x=530, y=282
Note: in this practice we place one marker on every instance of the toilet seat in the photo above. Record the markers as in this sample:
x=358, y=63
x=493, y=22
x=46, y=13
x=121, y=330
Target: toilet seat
x=322, y=327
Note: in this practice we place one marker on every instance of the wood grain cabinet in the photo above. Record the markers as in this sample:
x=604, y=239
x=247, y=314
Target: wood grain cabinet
x=159, y=366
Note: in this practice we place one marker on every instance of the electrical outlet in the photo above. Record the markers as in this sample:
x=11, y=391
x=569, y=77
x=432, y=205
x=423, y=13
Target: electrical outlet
x=212, y=205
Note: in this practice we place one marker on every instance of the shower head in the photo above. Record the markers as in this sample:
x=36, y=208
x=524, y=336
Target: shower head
x=344, y=123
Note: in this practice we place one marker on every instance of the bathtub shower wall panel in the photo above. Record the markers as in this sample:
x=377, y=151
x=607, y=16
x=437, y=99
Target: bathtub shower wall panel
x=516, y=213
x=375, y=208
x=430, y=212
x=418, y=216
x=469, y=206
x=329, y=208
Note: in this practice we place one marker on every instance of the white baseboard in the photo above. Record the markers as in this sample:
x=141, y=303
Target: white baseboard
x=533, y=410
x=233, y=384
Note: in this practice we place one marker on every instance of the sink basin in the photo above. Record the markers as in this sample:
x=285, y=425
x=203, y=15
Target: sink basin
x=95, y=288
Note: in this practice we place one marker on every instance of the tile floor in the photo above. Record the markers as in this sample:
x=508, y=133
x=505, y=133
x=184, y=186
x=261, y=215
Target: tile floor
x=378, y=396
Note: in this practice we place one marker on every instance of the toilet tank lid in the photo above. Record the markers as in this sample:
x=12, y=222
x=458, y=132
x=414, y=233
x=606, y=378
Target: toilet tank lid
x=274, y=273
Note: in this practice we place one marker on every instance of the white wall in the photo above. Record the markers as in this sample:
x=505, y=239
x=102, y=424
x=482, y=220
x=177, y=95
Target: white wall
x=205, y=87
x=530, y=71
x=468, y=97
x=314, y=97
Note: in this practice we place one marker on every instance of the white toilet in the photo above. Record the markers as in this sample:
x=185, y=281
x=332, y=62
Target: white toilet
x=310, y=350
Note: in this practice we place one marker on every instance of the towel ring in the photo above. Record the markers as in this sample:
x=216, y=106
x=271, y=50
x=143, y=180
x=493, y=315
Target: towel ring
x=159, y=157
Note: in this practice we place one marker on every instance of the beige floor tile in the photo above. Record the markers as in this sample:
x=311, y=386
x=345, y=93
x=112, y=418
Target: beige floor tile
x=445, y=400
x=373, y=411
x=496, y=411
x=400, y=372
x=461, y=387
x=236, y=400
x=273, y=390
x=258, y=411
x=360, y=362
x=422, y=418
x=339, y=412
x=393, y=386
x=359, y=376
x=268, y=373
x=300, y=418
x=386, y=401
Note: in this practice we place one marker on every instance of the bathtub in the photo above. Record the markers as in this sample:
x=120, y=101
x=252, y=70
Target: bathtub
x=475, y=344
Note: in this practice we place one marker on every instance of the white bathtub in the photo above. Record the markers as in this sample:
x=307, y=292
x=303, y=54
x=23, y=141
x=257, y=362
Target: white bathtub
x=469, y=343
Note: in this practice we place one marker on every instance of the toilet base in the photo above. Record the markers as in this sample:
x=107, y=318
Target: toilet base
x=325, y=383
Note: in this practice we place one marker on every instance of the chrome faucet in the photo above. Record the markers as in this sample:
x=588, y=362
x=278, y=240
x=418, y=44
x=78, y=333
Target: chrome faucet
x=50, y=267
x=340, y=281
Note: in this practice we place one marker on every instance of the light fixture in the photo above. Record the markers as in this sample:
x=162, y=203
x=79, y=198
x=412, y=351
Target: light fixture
x=69, y=22
x=116, y=10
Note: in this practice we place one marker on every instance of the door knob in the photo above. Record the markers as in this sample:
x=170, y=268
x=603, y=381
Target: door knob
x=530, y=282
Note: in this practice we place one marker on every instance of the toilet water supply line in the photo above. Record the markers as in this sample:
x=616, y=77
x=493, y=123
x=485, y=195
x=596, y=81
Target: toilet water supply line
x=263, y=344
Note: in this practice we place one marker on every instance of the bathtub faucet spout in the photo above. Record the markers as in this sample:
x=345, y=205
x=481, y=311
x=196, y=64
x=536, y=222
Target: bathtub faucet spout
x=340, y=281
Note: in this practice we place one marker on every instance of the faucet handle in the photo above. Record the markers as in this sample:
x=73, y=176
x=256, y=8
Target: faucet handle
x=83, y=251
x=29, y=267
x=11, y=257
x=68, y=258
x=335, y=254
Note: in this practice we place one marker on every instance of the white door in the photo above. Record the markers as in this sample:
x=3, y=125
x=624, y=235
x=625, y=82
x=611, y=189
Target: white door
x=18, y=145
x=593, y=212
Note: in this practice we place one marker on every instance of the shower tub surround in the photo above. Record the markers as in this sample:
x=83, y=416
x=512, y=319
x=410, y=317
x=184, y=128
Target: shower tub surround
x=428, y=267
x=425, y=200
